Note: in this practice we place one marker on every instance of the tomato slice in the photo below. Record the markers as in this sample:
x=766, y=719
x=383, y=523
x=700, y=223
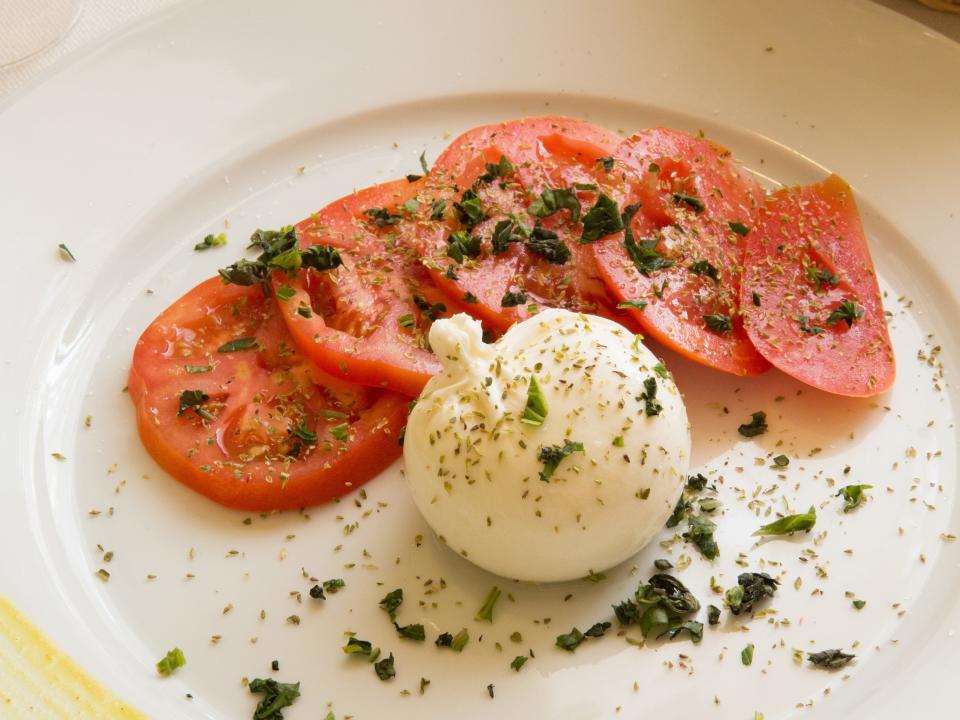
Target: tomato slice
x=682, y=271
x=507, y=283
x=810, y=296
x=256, y=427
x=367, y=321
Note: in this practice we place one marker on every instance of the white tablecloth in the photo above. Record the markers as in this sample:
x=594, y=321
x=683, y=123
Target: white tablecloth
x=101, y=17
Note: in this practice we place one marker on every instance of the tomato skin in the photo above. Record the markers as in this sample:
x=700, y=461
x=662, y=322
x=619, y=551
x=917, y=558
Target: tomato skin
x=802, y=232
x=546, y=152
x=658, y=167
x=255, y=398
x=357, y=328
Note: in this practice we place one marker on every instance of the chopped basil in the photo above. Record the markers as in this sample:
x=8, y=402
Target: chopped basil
x=244, y=272
x=444, y=640
x=518, y=662
x=211, y=241
x=756, y=426
x=696, y=482
x=746, y=655
x=496, y=170
x=653, y=167
x=276, y=696
x=680, y=511
x=385, y=668
x=781, y=461
x=461, y=245
x=548, y=245
x=423, y=163
x=598, y=629
x=635, y=304
x=713, y=614
x=660, y=370
x=847, y=311
x=601, y=220
x=316, y=592
x=506, y=232
x=661, y=603
x=644, y=254
x=691, y=626
x=411, y=206
x=470, y=298
x=790, y=523
x=513, y=299
x=304, y=311
x=289, y=261
x=651, y=405
x=720, y=324
x=755, y=297
x=607, y=163
x=695, y=203
x=321, y=257
x=739, y=228
x=708, y=504
x=194, y=369
x=285, y=293
x=662, y=564
x=830, y=659
x=704, y=267
x=535, y=411
x=469, y=210
x=450, y=273
x=407, y=321
x=457, y=642
x=853, y=496
x=553, y=200
x=171, y=661
x=552, y=455
x=333, y=585
x=700, y=532
x=570, y=641
x=859, y=604
x=486, y=610
x=431, y=312
x=411, y=632
x=65, y=253
x=302, y=432
x=193, y=400
x=805, y=326
x=391, y=601
x=341, y=431
x=364, y=648
x=750, y=589
x=381, y=217
x=239, y=345
x=437, y=209
x=820, y=276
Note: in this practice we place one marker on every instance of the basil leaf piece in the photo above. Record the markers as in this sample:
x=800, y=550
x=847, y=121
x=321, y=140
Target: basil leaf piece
x=321, y=257
x=552, y=455
x=333, y=585
x=423, y=163
x=570, y=641
x=756, y=426
x=276, y=696
x=211, y=241
x=607, y=163
x=739, y=228
x=750, y=589
x=703, y=267
x=193, y=400
x=635, y=304
x=485, y=613
x=548, y=245
x=847, y=312
x=713, y=614
x=720, y=324
x=411, y=632
x=790, y=523
x=853, y=496
x=381, y=217
x=536, y=410
x=746, y=655
x=285, y=293
x=437, y=209
x=553, y=200
x=601, y=220
x=431, y=312
x=65, y=253
x=518, y=662
x=239, y=345
x=391, y=601
x=651, y=406
x=695, y=203
x=385, y=669
x=644, y=254
x=700, y=532
x=171, y=661
x=830, y=659
x=691, y=626
x=461, y=245
x=504, y=233
x=513, y=299
x=469, y=211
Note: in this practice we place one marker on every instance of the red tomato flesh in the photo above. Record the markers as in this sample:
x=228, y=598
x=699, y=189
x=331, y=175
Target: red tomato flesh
x=686, y=282
x=810, y=297
x=268, y=430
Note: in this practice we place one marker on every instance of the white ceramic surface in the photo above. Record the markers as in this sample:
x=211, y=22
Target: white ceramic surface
x=203, y=115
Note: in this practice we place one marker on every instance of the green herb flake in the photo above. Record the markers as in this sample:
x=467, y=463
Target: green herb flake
x=364, y=648
x=847, y=312
x=518, y=662
x=859, y=604
x=423, y=163
x=461, y=245
x=193, y=400
x=644, y=255
x=239, y=345
x=535, y=411
x=739, y=228
x=548, y=245
x=470, y=298
x=746, y=655
x=705, y=268
x=385, y=668
x=651, y=406
x=381, y=217
x=632, y=304
x=750, y=589
x=720, y=324
x=661, y=603
x=504, y=233
x=211, y=241
x=341, y=432
x=694, y=203
x=552, y=455
x=570, y=641
x=513, y=299
x=485, y=613
x=781, y=461
x=700, y=531
x=755, y=297
x=285, y=293
x=830, y=659
x=302, y=432
x=171, y=661
x=713, y=614
x=790, y=524
x=437, y=210
x=391, y=601
x=853, y=496
x=407, y=321
x=65, y=253
x=756, y=426
x=601, y=220
x=553, y=200
x=276, y=696
x=321, y=257
x=469, y=210
x=606, y=162
x=411, y=632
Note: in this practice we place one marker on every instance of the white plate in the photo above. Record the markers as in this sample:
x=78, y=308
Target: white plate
x=133, y=152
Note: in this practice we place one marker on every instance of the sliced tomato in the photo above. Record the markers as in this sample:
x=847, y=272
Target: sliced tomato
x=682, y=271
x=367, y=321
x=227, y=405
x=507, y=284
x=810, y=296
